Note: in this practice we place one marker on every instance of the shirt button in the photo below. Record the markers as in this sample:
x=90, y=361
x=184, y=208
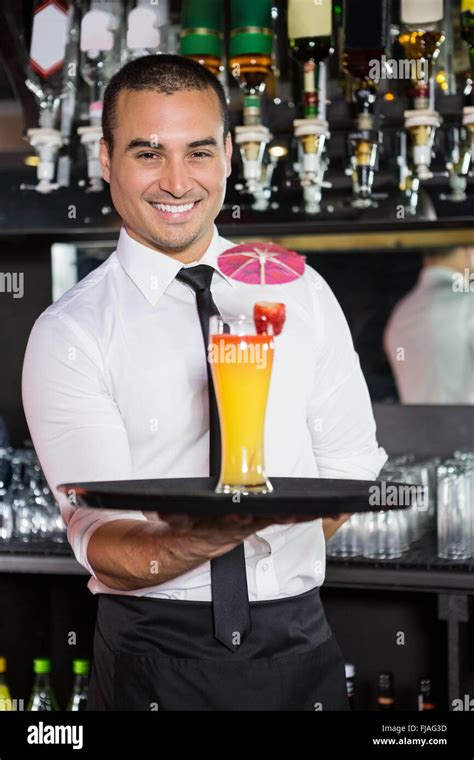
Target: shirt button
x=264, y=566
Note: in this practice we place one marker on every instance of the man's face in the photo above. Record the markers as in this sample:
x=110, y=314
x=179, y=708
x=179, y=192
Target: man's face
x=168, y=153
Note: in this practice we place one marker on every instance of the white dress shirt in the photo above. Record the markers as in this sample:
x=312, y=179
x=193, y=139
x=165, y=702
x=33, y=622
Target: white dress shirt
x=429, y=340
x=115, y=387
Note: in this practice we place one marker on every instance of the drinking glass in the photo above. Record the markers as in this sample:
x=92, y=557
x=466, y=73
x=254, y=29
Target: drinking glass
x=392, y=473
x=346, y=542
x=241, y=364
x=23, y=528
x=455, y=510
x=381, y=535
x=467, y=457
x=6, y=511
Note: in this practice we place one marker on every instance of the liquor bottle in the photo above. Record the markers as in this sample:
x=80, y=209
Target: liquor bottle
x=202, y=35
x=78, y=700
x=350, y=674
x=5, y=697
x=467, y=27
x=45, y=78
x=310, y=35
x=251, y=47
x=46, y=62
x=386, y=692
x=71, y=80
x=100, y=51
x=148, y=26
x=467, y=33
x=426, y=700
x=275, y=88
x=42, y=697
x=422, y=37
x=365, y=36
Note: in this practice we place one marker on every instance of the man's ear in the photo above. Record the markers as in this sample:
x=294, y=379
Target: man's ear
x=228, y=154
x=104, y=158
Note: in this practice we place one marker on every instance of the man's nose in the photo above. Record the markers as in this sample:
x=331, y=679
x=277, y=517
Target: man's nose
x=175, y=178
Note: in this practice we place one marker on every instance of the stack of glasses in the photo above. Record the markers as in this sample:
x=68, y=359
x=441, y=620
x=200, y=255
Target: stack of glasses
x=28, y=511
x=385, y=533
x=456, y=507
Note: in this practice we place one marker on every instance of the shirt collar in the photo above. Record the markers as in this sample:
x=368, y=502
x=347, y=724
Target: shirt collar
x=153, y=271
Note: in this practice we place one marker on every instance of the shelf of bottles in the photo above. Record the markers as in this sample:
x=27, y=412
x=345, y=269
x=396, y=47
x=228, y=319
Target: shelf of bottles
x=423, y=699
x=321, y=93
x=42, y=697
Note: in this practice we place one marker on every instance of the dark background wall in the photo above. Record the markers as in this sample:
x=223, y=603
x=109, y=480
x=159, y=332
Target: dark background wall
x=17, y=315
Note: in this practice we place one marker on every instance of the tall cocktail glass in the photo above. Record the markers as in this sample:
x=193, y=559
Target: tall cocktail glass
x=241, y=363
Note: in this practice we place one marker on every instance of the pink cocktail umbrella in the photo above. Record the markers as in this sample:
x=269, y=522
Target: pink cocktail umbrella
x=261, y=264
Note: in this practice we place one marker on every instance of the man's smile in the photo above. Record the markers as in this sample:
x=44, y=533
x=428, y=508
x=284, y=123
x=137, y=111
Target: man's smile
x=175, y=212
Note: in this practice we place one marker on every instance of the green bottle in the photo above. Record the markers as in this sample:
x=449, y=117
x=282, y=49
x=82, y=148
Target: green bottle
x=250, y=49
x=42, y=697
x=202, y=32
x=5, y=697
x=78, y=701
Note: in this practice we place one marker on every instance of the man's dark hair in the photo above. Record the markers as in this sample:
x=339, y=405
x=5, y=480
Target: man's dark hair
x=161, y=73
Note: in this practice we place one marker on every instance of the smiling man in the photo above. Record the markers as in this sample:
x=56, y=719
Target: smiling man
x=219, y=614
x=184, y=140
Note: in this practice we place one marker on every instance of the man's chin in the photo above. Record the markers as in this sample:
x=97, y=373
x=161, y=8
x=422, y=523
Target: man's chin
x=175, y=240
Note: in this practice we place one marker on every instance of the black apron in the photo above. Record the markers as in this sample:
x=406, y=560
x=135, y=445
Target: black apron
x=160, y=654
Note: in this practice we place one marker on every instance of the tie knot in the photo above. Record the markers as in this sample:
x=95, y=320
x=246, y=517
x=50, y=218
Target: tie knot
x=198, y=277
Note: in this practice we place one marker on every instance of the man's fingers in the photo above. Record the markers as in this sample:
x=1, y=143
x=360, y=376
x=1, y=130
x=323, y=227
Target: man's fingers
x=179, y=521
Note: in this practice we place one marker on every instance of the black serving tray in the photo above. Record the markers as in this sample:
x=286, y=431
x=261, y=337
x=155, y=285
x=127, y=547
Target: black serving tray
x=315, y=497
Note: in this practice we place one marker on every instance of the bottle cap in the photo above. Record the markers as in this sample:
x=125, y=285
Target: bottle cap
x=81, y=667
x=350, y=670
x=42, y=666
x=3, y=664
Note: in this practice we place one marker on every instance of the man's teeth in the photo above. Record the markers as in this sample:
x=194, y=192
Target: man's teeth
x=173, y=209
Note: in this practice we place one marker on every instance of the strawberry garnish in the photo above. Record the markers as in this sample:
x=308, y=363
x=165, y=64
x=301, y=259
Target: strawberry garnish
x=268, y=313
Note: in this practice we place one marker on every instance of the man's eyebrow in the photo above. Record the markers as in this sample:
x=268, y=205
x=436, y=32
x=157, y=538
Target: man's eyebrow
x=203, y=143
x=139, y=142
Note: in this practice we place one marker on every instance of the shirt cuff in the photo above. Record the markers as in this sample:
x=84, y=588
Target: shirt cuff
x=83, y=524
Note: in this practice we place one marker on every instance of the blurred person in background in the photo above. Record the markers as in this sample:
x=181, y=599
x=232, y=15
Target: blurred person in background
x=429, y=337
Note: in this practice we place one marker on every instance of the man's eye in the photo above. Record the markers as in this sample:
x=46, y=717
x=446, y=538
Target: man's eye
x=147, y=156
x=200, y=154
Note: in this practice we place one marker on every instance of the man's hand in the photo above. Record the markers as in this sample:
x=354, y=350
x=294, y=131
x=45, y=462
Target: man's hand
x=331, y=524
x=212, y=536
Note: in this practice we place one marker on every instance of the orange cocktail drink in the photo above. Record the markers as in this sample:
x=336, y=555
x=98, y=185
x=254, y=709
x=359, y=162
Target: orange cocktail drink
x=241, y=362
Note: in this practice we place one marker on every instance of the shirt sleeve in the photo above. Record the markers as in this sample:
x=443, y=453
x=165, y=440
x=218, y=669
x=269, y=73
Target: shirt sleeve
x=340, y=417
x=74, y=422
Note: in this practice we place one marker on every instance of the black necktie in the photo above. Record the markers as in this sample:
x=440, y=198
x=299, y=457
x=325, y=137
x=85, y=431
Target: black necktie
x=228, y=577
